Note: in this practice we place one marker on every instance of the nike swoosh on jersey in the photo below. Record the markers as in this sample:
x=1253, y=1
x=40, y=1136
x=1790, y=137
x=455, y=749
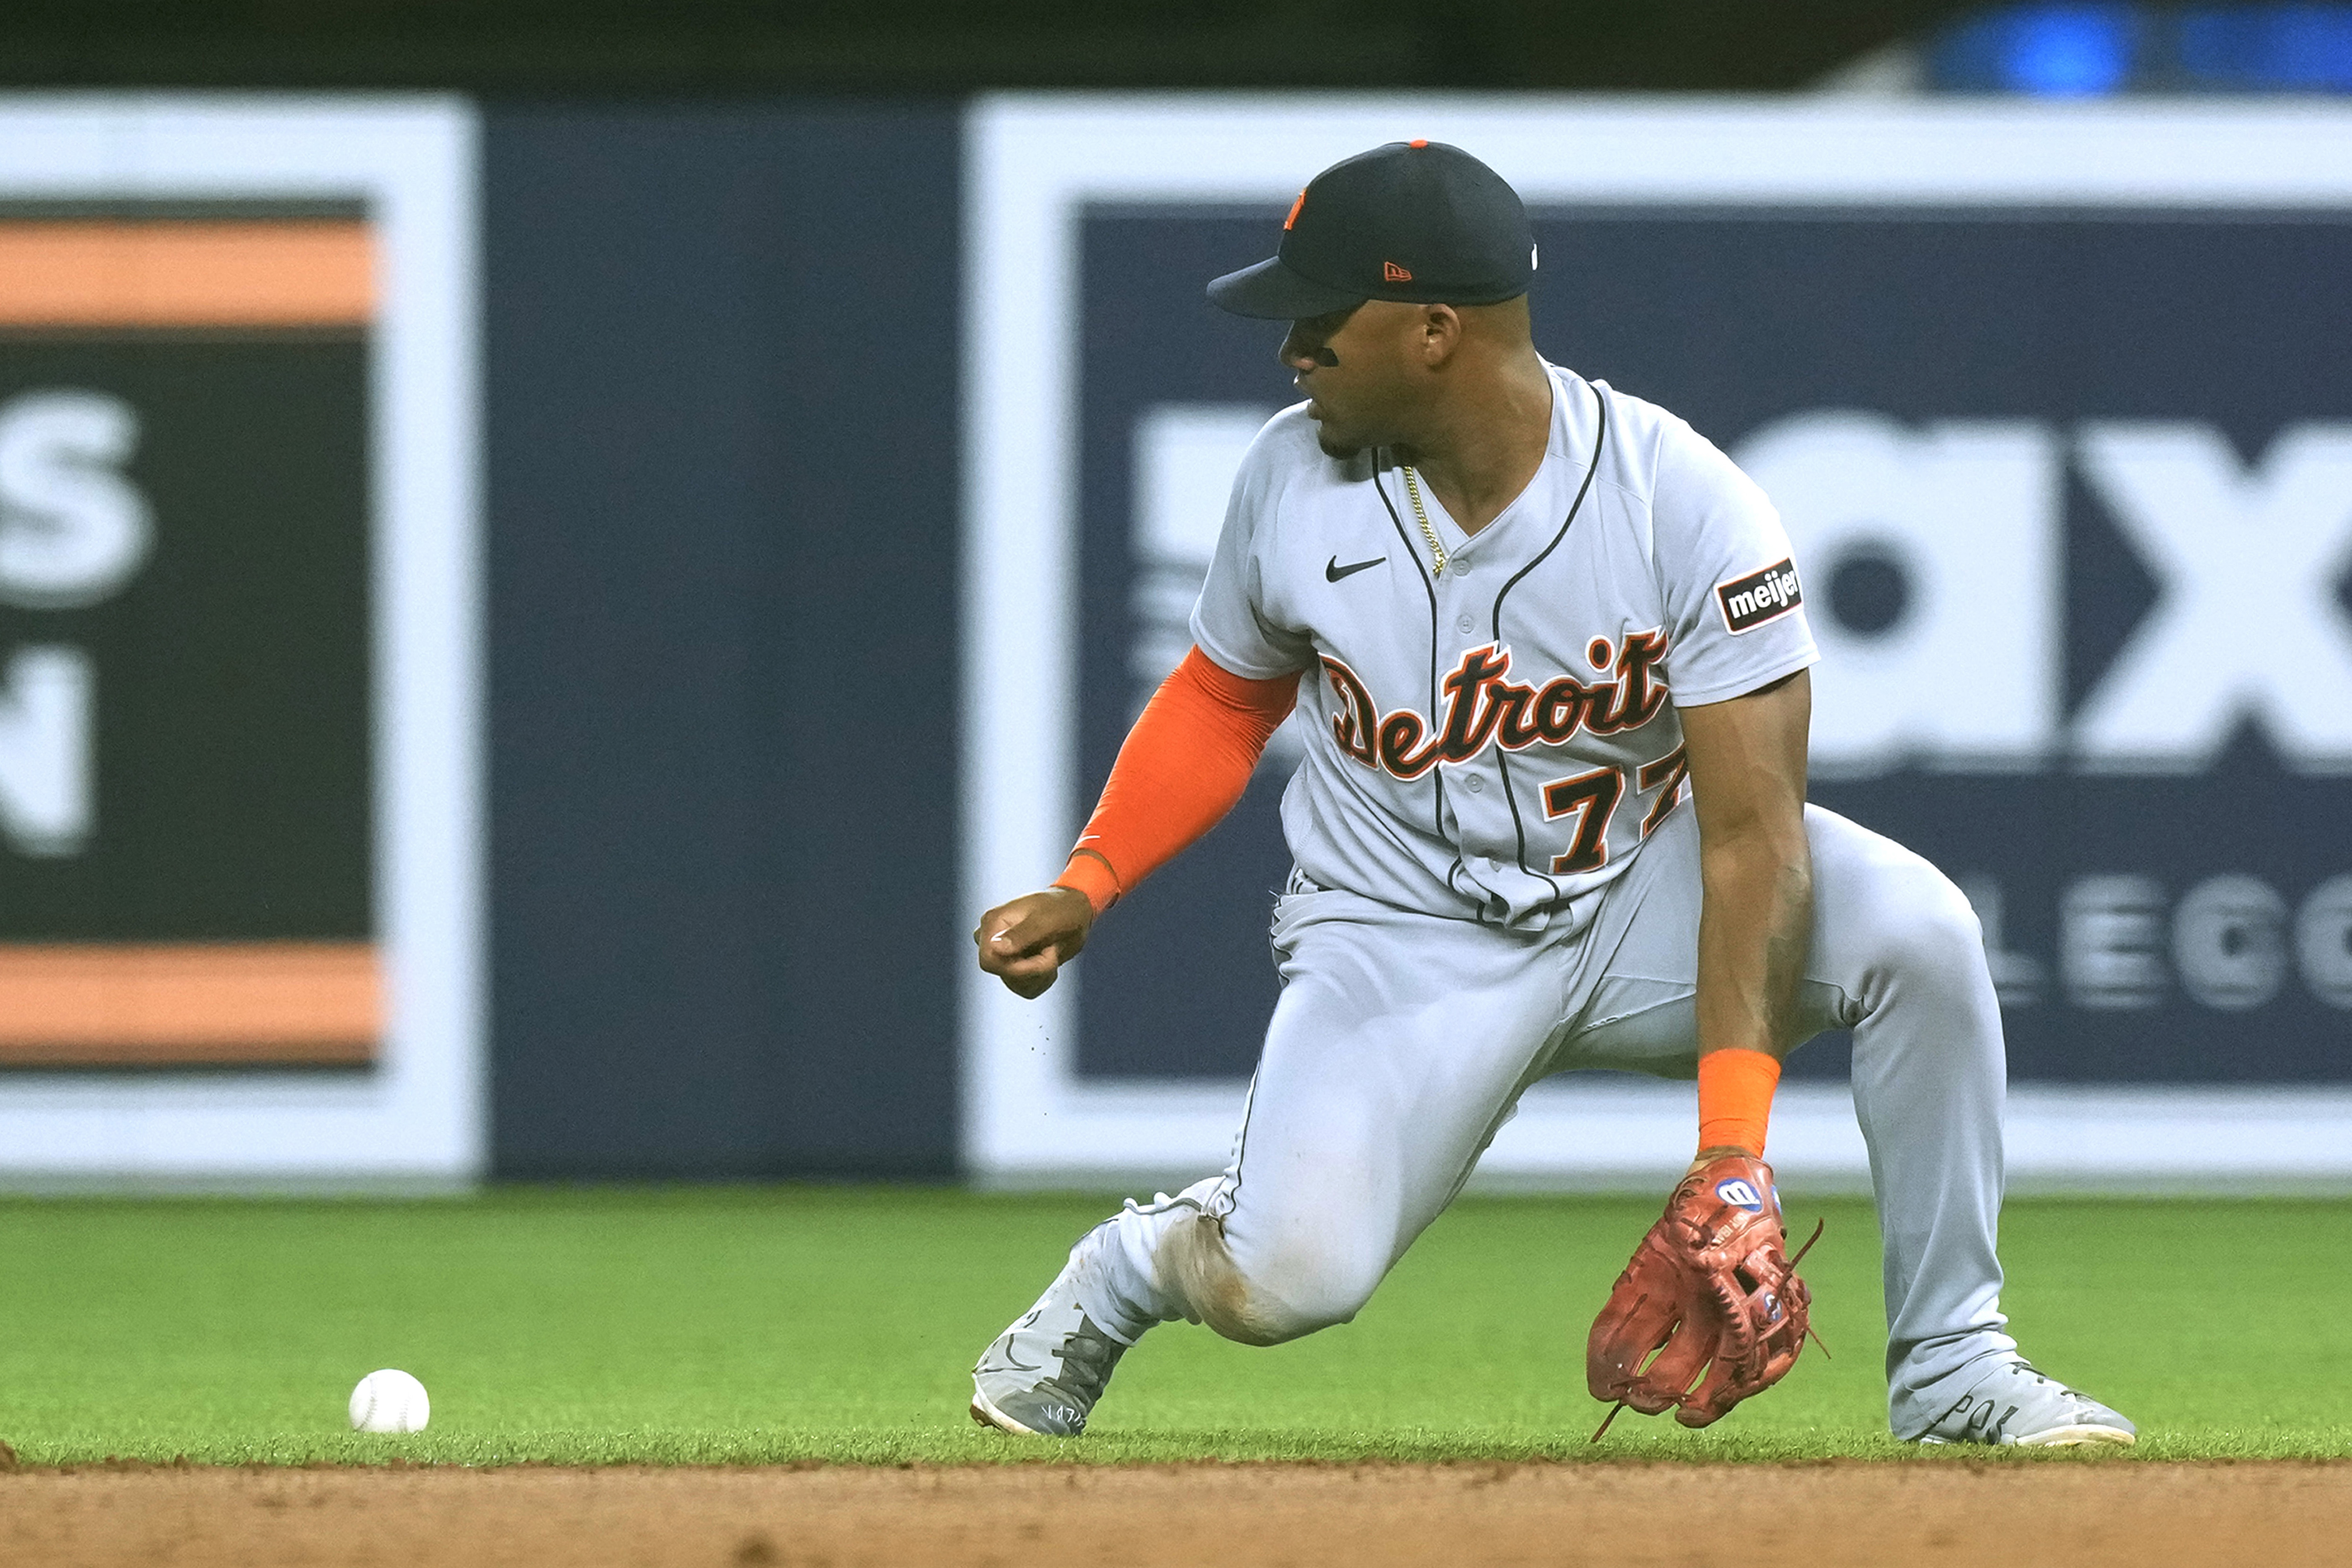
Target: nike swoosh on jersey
x=1333, y=570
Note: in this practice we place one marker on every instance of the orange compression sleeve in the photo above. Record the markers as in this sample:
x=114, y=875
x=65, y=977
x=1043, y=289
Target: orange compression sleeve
x=1184, y=765
x=1735, y=1098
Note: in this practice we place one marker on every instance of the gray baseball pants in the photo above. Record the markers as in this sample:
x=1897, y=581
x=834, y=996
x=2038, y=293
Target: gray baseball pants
x=1403, y=1041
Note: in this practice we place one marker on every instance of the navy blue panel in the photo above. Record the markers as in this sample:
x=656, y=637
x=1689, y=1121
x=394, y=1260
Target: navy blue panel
x=1736, y=321
x=721, y=350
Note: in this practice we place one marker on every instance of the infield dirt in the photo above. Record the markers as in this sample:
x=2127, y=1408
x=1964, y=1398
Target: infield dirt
x=1826, y=1515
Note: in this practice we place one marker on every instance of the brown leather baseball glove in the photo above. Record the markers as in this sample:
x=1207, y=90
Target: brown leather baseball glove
x=1712, y=1292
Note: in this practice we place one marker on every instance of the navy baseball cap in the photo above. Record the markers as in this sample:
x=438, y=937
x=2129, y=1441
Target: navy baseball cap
x=1415, y=221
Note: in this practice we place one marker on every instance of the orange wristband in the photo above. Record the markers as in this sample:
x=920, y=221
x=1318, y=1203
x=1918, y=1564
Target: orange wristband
x=1089, y=874
x=1735, y=1098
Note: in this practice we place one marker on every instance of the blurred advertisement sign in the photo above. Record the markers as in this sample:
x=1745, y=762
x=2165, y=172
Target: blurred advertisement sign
x=237, y=759
x=185, y=609
x=2053, y=406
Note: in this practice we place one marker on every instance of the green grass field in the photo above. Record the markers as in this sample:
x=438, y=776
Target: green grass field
x=797, y=1323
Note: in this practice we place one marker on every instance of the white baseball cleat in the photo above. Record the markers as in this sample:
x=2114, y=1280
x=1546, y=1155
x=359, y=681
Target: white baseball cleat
x=2015, y=1405
x=1041, y=1376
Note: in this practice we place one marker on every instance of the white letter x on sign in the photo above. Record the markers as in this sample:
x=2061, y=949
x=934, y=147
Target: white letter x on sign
x=2246, y=623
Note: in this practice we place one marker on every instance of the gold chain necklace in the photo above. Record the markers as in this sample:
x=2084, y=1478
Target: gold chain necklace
x=1421, y=515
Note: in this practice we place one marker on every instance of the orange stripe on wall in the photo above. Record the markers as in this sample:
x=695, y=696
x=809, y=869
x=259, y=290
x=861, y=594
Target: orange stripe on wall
x=281, y=273
x=97, y=1004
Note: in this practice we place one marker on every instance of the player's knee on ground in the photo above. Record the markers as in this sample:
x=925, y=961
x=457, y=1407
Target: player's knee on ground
x=1290, y=1293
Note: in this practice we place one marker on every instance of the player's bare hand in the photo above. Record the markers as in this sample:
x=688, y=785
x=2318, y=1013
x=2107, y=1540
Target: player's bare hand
x=1026, y=942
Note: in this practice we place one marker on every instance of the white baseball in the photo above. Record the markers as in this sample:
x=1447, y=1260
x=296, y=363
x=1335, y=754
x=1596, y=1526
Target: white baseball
x=389, y=1401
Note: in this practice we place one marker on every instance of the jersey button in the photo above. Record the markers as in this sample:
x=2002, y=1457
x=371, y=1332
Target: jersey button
x=1476, y=785
x=1464, y=625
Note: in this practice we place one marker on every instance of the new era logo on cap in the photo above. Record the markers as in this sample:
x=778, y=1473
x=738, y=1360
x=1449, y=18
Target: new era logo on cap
x=1392, y=273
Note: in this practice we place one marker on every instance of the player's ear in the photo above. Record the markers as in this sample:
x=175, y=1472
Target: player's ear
x=1440, y=334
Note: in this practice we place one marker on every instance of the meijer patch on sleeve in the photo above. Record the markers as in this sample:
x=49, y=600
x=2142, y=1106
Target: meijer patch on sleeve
x=1750, y=601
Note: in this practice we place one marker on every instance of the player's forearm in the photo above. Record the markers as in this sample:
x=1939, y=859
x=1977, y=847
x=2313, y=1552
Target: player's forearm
x=1183, y=766
x=1756, y=916
x=1756, y=903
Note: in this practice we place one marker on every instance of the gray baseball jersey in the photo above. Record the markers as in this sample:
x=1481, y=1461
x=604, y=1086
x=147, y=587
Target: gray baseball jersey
x=1496, y=739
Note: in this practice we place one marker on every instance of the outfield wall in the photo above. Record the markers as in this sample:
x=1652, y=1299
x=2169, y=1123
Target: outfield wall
x=2052, y=402
x=718, y=549
x=722, y=564
x=240, y=731
x=654, y=872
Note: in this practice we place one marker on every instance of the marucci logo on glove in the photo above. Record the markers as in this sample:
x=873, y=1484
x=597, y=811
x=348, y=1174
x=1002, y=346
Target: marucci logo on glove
x=1740, y=1196
x=1748, y=602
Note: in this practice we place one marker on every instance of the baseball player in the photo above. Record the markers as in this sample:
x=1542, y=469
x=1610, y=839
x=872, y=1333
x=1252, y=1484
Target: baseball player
x=1550, y=654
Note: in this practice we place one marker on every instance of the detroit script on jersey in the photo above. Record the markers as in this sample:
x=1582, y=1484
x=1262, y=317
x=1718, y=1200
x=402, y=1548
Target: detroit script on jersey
x=1494, y=741
x=1484, y=707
